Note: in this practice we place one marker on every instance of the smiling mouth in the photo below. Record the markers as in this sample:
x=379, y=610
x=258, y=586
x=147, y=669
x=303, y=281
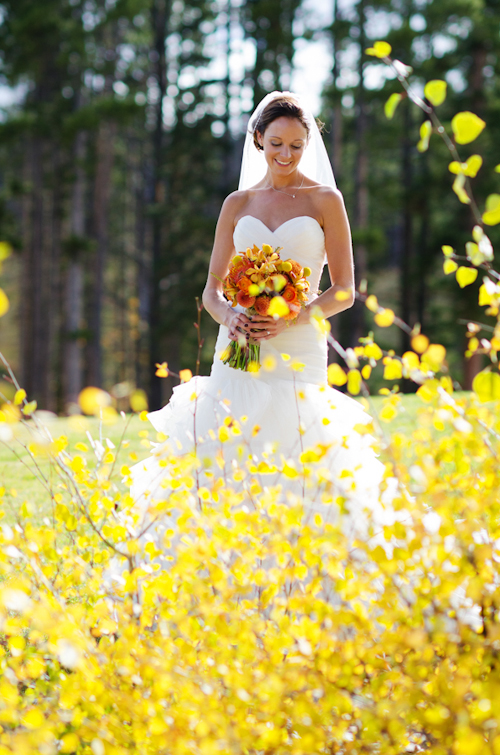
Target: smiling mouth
x=280, y=163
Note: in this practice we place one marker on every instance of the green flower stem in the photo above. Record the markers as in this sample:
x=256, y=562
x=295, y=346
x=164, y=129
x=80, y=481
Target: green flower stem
x=239, y=357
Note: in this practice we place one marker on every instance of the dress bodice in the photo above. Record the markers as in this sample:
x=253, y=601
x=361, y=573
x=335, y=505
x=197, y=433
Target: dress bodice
x=301, y=239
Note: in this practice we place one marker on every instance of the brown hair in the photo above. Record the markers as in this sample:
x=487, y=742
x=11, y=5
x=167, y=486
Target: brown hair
x=283, y=106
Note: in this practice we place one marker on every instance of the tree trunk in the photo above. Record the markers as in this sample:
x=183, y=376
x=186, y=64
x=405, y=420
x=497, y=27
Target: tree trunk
x=160, y=12
x=361, y=188
x=34, y=330
x=53, y=305
x=102, y=188
x=73, y=295
x=406, y=271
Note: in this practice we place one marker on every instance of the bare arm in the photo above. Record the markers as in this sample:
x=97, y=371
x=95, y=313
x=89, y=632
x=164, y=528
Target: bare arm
x=338, y=244
x=223, y=251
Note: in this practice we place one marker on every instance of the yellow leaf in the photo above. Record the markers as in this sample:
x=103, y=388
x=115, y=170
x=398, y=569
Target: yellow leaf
x=285, y=357
x=92, y=400
x=434, y=355
x=354, y=382
x=391, y=105
x=69, y=743
x=411, y=360
x=492, y=214
x=4, y=303
x=485, y=296
x=81, y=447
x=342, y=295
x=336, y=375
x=5, y=250
x=278, y=307
x=138, y=400
x=435, y=91
x=143, y=416
x=29, y=408
x=465, y=276
x=108, y=458
x=425, y=135
x=371, y=303
x=20, y=396
x=379, y=50
x=449, y=266
x=162, y=370
x=269, y=363
x=185, y=375
x=388, y=412
x=9, y=413
x=486, y=385
x=223, y=434
x=428, y=390
x=466, y=127
x=384, y=318
x=393, y=370
x=33, y=719
x=469, y=168
x=458, y=188
x=419, y=343
x=470, y=742
x=373, y=351
x=448, y=251
x=366, y=371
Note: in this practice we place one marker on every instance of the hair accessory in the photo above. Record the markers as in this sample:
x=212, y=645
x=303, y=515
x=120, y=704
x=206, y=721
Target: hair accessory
x=315, y=163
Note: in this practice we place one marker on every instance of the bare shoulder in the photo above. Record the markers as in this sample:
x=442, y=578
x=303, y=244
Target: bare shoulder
x=328, y=197
x=233, y=205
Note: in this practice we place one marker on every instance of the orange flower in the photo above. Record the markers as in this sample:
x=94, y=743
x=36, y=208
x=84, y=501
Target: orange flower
x=262, y=304
x=244, y=284
x=244, y=299
x=294, y=311
x=296, y=271
x=289, y=294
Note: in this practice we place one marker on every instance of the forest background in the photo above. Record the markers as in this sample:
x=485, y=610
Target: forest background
x=125, y=135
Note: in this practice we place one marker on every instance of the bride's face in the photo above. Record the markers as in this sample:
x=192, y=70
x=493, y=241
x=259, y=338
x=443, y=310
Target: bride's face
x=284, y=142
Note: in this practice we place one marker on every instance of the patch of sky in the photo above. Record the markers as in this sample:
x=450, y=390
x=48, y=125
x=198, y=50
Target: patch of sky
x=421, y=48
x=460, y=27
x=120, y=88
x=442, y=44
x=379, y=23
x=10, y=97
x=456, y=80
x=418, y=22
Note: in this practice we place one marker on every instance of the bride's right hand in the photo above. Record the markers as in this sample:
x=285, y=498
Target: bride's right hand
x=238, y=324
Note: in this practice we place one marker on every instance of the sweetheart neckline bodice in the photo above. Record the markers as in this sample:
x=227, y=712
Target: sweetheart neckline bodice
x=286, y=222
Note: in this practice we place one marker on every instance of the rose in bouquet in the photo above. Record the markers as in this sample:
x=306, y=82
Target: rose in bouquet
x=264, y=284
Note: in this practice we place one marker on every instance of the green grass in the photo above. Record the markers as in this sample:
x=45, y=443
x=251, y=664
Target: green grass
x=17, y=469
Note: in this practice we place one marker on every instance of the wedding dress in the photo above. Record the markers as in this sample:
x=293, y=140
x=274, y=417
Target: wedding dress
x=281, y=411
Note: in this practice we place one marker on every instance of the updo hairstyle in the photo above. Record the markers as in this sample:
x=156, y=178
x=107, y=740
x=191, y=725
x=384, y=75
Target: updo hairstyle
x=281, y=107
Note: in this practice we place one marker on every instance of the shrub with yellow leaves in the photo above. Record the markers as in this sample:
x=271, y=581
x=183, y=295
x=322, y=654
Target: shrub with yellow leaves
x=255, y=605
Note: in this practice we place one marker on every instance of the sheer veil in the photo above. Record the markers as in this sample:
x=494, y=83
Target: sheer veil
x=315, y=163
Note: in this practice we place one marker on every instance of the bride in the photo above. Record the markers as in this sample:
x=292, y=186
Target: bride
x=287, y=198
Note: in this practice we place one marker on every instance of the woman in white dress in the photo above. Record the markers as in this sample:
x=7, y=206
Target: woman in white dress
x=287, y=198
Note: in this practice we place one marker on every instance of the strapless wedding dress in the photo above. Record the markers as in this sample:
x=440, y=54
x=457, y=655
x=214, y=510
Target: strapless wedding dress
x=281, y=412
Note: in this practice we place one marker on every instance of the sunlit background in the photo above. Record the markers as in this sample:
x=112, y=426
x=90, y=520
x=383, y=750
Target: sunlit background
x=121, y=134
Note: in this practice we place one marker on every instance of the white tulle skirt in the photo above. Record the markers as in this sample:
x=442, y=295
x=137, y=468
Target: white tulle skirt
x=283, y=416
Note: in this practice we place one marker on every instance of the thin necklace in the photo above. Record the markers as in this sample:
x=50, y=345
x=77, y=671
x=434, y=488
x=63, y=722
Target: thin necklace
x=285, y=192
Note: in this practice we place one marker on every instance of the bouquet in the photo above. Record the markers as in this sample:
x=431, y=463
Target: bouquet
x=261, y=282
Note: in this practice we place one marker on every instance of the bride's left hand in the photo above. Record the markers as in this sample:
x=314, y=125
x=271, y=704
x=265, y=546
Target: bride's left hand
x=264, y=327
